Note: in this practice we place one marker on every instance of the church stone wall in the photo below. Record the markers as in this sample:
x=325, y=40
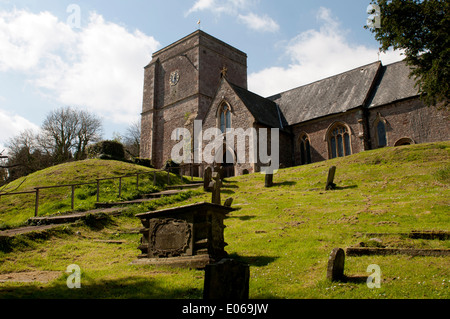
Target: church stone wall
x=202, y=60
x=241, y=118
x=198, y=59
x=411, y=119
x=317, y=132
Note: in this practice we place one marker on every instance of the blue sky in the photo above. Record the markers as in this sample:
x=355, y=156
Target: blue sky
x=90, y=54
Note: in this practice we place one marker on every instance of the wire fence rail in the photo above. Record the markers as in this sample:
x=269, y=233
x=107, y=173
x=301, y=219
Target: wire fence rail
x=37, y=190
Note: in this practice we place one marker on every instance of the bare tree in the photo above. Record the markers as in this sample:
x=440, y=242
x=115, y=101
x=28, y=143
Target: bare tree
x=89, y=130
x=59, y=132
x=25, y=155
x=133, y=139
x=67, y=132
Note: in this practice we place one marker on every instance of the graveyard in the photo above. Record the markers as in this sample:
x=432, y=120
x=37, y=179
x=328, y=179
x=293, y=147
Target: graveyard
x=394, y=200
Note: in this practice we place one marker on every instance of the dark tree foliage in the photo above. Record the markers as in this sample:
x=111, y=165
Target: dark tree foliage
x=107, y=150
x=421, y=28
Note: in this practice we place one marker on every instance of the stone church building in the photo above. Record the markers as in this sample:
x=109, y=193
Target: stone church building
x=202, y=78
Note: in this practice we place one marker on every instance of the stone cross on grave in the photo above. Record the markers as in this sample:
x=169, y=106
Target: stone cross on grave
x=216, y=185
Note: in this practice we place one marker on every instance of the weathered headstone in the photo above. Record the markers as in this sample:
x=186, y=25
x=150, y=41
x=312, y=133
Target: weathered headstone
x=187, y=236
x=268, y=180
x=336, y=261
x=216, y=185
x=227, y=279
x=330, y=180
x=228, y=202
x=207, y=179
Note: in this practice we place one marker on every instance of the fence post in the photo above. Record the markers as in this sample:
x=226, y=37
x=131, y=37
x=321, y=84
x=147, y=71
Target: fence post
x=73, y=197
x=98, y=190
x=36, y=205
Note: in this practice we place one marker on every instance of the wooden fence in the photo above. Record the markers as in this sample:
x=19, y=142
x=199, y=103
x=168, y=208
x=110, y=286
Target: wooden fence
x=37, y=190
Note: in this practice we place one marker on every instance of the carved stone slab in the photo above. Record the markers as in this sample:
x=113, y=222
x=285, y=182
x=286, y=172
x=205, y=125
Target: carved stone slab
x=195, y=231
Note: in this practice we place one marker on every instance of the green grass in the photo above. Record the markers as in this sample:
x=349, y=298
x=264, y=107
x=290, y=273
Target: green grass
x=285, y=233
x=15, y=210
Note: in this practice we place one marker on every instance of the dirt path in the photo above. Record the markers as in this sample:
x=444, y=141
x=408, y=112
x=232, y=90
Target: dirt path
x=49, y=222
x=31, y=276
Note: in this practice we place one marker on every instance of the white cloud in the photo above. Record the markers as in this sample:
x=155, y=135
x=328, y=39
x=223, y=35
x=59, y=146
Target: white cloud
x=27, y=38
x=239, y=9
x=99, y=67
x=11, y=125
x=201, y=5
x=314, y=55
x=258, y=23
x=220, y=6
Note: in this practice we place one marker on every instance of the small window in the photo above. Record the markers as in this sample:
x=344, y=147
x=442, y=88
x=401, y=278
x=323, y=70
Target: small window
x=339, y=141
x=225, y=118
x=381, y=134
x=305, y=150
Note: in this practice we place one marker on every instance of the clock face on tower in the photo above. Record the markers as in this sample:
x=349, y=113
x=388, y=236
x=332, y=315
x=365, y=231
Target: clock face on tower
x=174, y=78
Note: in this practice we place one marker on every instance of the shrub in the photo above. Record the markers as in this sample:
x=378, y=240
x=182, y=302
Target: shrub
x=173, y=166
x=107, y=150
x=147, y=162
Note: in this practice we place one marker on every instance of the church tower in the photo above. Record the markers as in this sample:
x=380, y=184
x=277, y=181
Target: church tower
x=179, y=85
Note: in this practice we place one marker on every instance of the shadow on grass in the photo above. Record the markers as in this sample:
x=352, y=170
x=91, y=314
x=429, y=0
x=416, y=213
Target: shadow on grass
x=258, y=261
x=227, y=191
x=355, y=279
x=345, y=187
x=228, y=185
x=124, y=288
x=243, y=218
x=286, y=183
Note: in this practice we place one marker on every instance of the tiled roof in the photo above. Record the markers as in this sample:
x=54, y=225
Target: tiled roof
x=370, y=86
x=332, y=95
x=394, y=84
x=264, y=110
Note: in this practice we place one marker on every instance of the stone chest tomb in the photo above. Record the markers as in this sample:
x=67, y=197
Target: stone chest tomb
x=187, y=236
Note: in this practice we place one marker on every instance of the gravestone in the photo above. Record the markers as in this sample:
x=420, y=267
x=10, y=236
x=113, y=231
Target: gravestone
x=187, y=236
x=207, y=179
x=228, y=202
x=227, y=279
x=336, y=261
x=268, y=180
x=330, y=180
x=216, y=185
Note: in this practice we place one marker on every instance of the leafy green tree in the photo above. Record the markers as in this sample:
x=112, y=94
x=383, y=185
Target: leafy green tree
x=421, y=28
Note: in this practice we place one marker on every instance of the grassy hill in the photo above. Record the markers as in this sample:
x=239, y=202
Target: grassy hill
x=285, y=233
x=15, y=210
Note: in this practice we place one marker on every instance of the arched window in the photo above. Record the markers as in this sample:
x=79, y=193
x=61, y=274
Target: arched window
x=381, y=134
x=225, y=118
x=305, y=150
x=339, y=141
x=380, y=131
